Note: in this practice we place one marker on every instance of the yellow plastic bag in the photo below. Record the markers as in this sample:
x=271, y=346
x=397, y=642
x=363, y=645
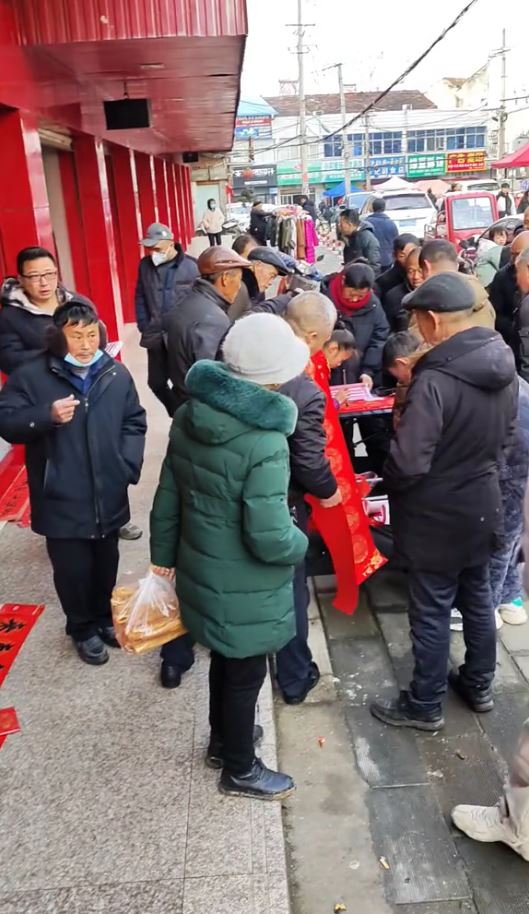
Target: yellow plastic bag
x=146, y=615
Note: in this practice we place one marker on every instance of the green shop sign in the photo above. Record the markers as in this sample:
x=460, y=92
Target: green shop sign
x=426, y=166
x=289, y=173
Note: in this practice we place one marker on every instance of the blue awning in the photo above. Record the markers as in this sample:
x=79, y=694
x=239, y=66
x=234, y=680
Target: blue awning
x=255, y=107
x=338, y=190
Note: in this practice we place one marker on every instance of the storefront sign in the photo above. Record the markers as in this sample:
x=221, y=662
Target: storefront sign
x=426, y=166
x=289, y=173
x=258, y=128
x=386, y=166
x=254, y=176
x=466, y=161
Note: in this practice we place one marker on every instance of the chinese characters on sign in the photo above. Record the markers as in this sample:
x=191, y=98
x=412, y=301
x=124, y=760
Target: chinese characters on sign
x=386, y=166
x=254, y=176
x=420, y=166
x=258, y=128
x=466, y=161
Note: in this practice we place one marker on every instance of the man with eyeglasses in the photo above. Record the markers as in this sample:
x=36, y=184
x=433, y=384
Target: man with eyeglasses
x=29, y=301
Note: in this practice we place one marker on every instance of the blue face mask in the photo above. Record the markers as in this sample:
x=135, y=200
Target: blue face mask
x=72, y=361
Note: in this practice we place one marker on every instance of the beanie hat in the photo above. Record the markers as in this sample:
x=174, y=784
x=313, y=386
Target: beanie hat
x=264, y=349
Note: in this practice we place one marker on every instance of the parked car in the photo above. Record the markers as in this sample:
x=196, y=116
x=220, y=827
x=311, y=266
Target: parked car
x=411, y=210
x=464, y=215
x=355, y=200
x=240, y=213
x=488, y=184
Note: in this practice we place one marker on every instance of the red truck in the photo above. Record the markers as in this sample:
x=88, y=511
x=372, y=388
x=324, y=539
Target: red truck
x=463, y=215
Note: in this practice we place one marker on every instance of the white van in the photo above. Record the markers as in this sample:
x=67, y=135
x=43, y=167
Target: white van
x=488, y=184
x=411, y=210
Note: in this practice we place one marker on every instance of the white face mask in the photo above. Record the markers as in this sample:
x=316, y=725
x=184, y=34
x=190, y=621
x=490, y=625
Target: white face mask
x=159, y=257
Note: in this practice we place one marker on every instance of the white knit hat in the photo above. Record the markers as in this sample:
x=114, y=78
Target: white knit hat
x=264, y=349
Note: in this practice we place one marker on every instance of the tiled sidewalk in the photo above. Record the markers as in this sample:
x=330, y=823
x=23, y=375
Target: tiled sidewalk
x=106, y=806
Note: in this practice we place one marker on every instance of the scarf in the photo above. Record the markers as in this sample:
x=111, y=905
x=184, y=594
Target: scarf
x=337, y=295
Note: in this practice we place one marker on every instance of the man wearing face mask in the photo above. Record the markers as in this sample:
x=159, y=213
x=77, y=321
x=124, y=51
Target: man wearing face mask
x=165, y=277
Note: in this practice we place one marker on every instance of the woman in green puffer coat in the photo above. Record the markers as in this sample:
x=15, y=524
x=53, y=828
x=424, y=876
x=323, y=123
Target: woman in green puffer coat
x=220, y=519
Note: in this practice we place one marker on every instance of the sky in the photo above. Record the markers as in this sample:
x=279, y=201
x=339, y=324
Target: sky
x=369, y=48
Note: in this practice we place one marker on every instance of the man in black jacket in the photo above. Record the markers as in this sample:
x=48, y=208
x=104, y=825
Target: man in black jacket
x=312, y=317
x=504, y=293
x=165, y=276
x=442, y=478
x=522, y=278
x=385, y=230
x=77, y=412
x=402, y=246
x=360, y=239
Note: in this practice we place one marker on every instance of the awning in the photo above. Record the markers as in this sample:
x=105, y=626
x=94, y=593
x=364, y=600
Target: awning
x=255, y=107
x=518, y=159
x=338, y=190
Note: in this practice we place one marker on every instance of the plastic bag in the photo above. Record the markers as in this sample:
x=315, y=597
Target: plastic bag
x=146, y=615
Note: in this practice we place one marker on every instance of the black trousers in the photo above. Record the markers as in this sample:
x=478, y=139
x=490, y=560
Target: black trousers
x=215, y=239
x=158, y=377
x=432, y=596
x=84, y=574
x=234, y=687
x=294, y=662
x=179, y=653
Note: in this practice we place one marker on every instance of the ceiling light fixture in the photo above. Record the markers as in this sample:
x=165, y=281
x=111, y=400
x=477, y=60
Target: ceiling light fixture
x=152, y=66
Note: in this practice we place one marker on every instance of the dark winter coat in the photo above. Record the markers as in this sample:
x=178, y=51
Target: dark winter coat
x=78, y=473
x=370, y=329
x=363, y=243
x=260, y=225
x=23, y=326
x=197, y=327
x=442, y=470
x=504, y=297
x=158, y=291
x=386, y=231
x=523, y=338
x=398, y=317
x=389, y=279
x=309, y=467
x=310, y=207
x=221, y=518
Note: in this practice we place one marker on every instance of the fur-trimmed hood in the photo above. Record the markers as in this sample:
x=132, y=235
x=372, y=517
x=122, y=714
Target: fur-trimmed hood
x=13, y=294
x=223, y=406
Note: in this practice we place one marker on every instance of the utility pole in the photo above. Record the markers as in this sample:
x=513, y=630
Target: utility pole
x=502, y=114
x=302, y=109
x=366, y=151
x=346, y=151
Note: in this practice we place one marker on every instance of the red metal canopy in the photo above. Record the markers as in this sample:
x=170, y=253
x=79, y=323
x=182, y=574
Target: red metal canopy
x=518, y=159
x=64, y=58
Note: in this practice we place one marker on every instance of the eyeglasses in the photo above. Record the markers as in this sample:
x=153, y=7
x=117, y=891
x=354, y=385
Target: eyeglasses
x=40, y=277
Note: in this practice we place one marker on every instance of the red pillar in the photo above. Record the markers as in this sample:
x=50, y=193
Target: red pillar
x=189, y=203
x=180, y=205
x=98, y=231
x=145, y=183
x=126, y=224
x=161, y=190
x=24, y=206
x=171, y=196
x=76, y=237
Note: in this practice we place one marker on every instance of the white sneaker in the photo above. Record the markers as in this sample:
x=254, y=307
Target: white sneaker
x=456, y=621
x=513, y=613
x=485, y=823
x=499, y=619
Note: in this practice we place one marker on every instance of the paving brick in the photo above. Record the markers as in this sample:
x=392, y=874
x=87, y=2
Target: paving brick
x=338, y=625
x=515, y=637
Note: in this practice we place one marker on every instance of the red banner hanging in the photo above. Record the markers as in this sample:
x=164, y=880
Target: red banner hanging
x=16, y=622
x=344, y=529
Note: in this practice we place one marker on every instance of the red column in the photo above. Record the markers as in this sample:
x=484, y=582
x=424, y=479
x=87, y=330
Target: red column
x=75, y=227
x=145, y=183
x=161, y=190
x=180, y=205
x=189, y=204
x=126, y=224
x=24, y=206
x=171, y=196
x=98, y=231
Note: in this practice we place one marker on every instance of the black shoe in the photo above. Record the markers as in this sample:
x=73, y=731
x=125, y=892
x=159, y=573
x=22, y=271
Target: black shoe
x=479, y=700
x=214, y=755
x=92, y=650
x=312, y=682
x=261, y=783
x=398, y=712
x=108, y=635
x=170, y=676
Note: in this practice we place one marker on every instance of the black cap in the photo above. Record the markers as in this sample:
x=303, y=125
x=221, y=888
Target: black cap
x=443, y=293
x=267, y=255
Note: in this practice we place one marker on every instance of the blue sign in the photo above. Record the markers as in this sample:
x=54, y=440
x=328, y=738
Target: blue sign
x=387, y=166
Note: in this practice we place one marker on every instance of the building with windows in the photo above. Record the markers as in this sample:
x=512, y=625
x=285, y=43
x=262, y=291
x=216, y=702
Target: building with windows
x=408, y=137
x=83, y=179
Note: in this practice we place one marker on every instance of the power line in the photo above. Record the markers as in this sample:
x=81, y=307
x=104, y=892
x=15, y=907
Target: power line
x=409, y=69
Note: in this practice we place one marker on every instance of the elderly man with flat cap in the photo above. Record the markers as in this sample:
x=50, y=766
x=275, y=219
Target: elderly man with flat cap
x=165, y=275
x=442, y=478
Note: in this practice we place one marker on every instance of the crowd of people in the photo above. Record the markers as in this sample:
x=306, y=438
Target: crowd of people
x=236, y=367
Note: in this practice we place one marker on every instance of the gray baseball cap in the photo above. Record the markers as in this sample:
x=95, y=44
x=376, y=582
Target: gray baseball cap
x=155, y=233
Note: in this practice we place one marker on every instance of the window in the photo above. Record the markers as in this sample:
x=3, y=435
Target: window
x=471, y=213
x=333, y=147
x=451, y=139
x=287, y=152
x=426, y=141
x=388, y=142
x=407, y=201
x=356, y=141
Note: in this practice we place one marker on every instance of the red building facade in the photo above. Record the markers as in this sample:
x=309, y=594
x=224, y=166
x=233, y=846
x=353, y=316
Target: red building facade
x=85, y=192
